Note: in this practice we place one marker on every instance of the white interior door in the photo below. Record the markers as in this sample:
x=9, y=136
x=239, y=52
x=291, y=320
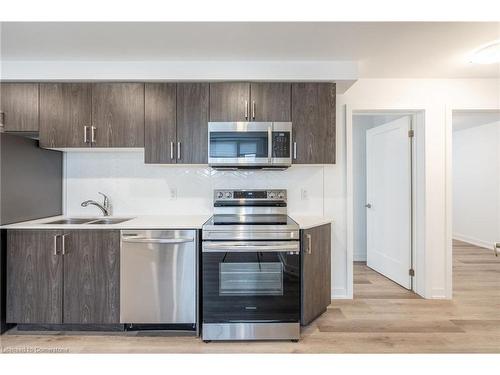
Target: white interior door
x=388, y=190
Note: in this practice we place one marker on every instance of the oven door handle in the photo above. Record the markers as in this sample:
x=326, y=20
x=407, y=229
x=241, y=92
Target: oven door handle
x=247, y=248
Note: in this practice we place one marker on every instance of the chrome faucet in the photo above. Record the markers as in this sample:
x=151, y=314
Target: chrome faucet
x=105, y=207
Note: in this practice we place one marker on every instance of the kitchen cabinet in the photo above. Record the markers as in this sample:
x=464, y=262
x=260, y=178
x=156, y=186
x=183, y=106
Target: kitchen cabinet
x=117, y=115
x=316, y=272
x=19, y=107
x=92, y=277
x=65, y=115
x=313, y=118
x=176, y=117
x=260, y=101
x=63, y=277
x=270, y=101
x=160, y=134
x=34, y=277
x=192, y=123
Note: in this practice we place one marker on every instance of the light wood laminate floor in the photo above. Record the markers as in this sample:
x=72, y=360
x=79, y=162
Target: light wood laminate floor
x=382, y=318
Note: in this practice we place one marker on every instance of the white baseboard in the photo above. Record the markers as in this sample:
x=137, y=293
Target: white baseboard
x=439, y=293
x=340, y=293
x=359, y=257
x=473, y=241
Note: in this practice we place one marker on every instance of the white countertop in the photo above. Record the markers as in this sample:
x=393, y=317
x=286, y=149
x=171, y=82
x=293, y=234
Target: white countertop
x=151, y=222
x=308, y=222
x=138, y=222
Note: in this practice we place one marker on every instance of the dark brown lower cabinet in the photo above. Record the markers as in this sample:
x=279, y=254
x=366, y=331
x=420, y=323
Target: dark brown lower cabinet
x=63, y=277
x=316, y=272
x=34, y=277
x=92, y=277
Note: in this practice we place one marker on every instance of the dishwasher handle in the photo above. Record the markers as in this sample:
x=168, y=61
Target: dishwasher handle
x=172, y=241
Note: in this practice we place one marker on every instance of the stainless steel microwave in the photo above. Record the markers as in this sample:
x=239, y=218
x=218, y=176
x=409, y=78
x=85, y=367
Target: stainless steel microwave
x=236, y=145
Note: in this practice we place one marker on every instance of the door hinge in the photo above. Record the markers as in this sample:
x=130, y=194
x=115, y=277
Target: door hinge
x=411, y=272
x=411, y=133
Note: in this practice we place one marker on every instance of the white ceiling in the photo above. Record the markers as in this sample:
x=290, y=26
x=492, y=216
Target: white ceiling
x=468, y=119
x=383, y=50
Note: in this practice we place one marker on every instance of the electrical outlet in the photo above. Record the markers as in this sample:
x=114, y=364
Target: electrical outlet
x=173, y=193
x=304, y=194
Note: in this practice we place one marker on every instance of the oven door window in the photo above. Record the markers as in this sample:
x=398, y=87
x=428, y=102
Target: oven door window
x=257, y=279
x=238, y=145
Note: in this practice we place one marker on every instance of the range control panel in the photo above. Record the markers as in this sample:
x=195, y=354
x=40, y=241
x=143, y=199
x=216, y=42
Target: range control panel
x=274, y=194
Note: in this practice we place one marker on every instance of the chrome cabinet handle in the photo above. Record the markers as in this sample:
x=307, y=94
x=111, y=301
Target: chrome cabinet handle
x=295, y=150
x=55, y=244
x=92, y=136
x=85, y=132
x=253, y=109
x=246, y=109
x=178, y=150
x=157, y=240
x=309, y=243
x=172, y=150
x=63, y=248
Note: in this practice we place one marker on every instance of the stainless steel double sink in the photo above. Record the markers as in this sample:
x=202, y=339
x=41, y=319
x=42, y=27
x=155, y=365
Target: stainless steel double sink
x=91, y=220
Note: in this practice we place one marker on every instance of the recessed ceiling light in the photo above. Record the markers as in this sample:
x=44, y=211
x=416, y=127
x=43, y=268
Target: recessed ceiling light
x=487, y=54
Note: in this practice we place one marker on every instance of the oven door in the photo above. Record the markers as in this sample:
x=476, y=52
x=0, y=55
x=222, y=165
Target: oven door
x=251, y=281
x=239, y=144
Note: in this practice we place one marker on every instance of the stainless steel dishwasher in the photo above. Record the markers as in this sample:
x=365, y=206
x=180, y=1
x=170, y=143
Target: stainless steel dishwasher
x=159, y=279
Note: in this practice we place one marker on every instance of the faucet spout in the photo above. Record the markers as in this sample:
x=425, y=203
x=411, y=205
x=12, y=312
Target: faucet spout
x=105, y=207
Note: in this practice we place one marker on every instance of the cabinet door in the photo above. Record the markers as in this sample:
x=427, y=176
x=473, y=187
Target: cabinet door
x=192, y=123
x=313, y=117
x=316, y=271
x=118, y=114
x=65, y=114
x=92, y=276
x=160, y=123
x=229, y=101
x=19, y=106
x=34, y=277
x=270, y=101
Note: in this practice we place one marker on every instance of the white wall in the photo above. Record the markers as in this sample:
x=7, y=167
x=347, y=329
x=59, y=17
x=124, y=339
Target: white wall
x=136, y=188
x=476, y=179
x=434, y=97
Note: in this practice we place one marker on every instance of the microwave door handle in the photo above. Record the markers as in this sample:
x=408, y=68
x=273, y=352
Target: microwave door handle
x=270, y=143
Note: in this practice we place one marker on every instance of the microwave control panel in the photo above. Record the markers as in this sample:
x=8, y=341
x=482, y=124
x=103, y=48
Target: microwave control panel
x=281, y=144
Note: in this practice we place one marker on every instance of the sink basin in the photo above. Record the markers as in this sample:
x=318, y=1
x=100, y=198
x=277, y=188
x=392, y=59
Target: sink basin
x=109, y=221
x=79, y=220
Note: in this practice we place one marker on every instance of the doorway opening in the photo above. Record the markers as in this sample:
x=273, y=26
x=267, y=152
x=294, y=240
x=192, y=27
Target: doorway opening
x=384, y=174
x=475, y=203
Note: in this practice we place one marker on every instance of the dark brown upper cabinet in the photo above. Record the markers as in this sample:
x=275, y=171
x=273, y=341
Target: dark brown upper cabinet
x=229, y=101
x=19, y=107
x=313, y=118
x=160, y=134
x=34, y=277
x=65, y=115
x=117, y=115
x=260, y=101
x=192, y=123
x=316, y=272
x=176, y=123
x=270, y=101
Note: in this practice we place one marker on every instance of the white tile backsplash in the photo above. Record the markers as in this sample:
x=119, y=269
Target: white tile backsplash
x=136, y=188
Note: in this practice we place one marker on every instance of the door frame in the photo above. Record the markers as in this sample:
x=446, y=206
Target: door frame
x=418, y=190
x=449, y=187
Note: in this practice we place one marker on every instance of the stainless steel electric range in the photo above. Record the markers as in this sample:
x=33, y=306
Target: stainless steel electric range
x=250, y=268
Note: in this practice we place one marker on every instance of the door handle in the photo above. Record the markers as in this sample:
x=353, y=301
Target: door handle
x=309, y=243
x=253, y=109
x=85, y=132
x=246, y=109
x=179, y=150
x=55, y=243
x=368, y=205
x=63, y=247
x=92, y=134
